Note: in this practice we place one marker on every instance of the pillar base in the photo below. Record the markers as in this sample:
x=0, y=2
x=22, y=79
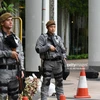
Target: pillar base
x=96, y=68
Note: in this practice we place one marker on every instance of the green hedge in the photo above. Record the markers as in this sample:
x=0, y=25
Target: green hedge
x=81, y=56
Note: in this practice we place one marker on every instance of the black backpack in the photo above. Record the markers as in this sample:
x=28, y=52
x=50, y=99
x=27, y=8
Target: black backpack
x=91, y=73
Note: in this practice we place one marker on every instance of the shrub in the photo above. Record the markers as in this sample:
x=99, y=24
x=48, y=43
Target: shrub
x=81, y=56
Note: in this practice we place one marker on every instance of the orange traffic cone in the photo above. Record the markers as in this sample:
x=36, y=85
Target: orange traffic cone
x=24, y=98
x=62, y=97
x=82, y=91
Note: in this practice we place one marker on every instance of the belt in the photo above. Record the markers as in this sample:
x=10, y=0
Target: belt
x=9, y=67
x=55, y=59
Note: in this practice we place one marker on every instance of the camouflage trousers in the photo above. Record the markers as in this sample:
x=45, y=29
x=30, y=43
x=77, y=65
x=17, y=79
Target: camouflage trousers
x=49, y=68
x=9, y=85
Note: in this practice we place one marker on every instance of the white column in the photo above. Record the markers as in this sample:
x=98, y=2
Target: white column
x=45, y=14
x=94, y=34
x=67, y=36
x=32, y=32
x=55, y=13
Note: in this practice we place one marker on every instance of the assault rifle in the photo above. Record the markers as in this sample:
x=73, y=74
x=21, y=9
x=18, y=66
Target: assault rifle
x=60, y=50
x=21, y=80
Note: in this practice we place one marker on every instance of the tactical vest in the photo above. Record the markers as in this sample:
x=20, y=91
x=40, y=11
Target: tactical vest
x=50, y=54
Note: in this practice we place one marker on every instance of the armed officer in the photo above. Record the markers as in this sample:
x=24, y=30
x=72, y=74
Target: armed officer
x=11, y=59
x=52, y=51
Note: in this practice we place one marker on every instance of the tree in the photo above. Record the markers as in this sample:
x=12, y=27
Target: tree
x=78, y=10
x=75, y=7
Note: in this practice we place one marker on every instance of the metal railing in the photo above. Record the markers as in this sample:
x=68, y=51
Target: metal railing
x=20, y=25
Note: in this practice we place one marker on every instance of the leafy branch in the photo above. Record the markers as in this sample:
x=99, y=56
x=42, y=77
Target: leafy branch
x=7, y=8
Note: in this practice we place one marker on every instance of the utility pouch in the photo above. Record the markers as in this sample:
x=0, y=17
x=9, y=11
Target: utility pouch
x=66, y=71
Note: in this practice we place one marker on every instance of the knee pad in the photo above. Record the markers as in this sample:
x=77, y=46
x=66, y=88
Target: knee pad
x=59, y=83
x=47, y=82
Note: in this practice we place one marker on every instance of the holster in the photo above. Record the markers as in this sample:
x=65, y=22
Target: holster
x=40, y=68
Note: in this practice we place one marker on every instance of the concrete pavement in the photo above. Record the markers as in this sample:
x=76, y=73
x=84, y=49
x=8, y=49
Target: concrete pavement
x=71, y=83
